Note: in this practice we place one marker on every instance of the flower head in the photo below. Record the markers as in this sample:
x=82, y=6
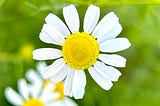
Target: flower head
x=28, y=98
x=38, y=92
x=82, y=50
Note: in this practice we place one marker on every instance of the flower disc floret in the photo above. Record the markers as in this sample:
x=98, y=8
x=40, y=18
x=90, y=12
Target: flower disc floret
x=80, y=50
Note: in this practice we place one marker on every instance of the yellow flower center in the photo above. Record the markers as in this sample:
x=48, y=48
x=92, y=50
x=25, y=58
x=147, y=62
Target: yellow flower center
x=80, y=50
x=33, y=102
x=59, y=88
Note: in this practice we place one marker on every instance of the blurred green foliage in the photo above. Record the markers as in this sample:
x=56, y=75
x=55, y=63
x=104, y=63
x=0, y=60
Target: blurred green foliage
x=139, y=85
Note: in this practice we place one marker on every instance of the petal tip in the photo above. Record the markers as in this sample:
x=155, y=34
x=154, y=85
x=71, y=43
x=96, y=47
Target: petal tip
x=128, y=43
x=34, y=54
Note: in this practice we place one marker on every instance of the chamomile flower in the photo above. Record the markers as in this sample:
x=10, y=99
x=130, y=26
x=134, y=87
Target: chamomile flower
x=86, y=50
x=38, y=92
x=27, y=98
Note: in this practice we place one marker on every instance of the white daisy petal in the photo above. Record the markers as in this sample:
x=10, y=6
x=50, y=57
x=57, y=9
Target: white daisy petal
x=33, y=76
x=110, y=34
x=56, y=66
x=78, y=84
x=71, y=18
x=46, y=54
x=91, y=18
x=40, y=66
x=56, y=22
x=60, y=75
x=113, y=60
x=68, y=102
x=35, y=89
x=115, y=45
x=107, y=22
x=35, y=82
x=49, y=97
x=100, y=80
x=54, y=33
x=51, y=103
x=107, y=71
x=48, y=94
x=13, y=97
x=23, y=88
x=45, y=37
x=68, y=83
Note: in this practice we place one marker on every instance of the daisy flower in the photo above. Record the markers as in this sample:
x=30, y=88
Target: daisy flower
x=26, y=98
x=86, y=50
x=37, y=93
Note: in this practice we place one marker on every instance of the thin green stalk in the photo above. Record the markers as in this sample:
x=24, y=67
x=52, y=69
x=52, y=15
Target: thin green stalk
x=106, y=3
x=128, y=3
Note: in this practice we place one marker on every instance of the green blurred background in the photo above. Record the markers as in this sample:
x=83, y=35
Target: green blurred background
x=22, y=20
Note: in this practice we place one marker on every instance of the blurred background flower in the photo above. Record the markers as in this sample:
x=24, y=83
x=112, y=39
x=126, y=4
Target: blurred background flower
x=21, y=22
x=37, y=92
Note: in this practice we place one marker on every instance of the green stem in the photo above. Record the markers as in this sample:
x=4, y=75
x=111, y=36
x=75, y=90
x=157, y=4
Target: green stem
x=105, y=3
x=129, y=4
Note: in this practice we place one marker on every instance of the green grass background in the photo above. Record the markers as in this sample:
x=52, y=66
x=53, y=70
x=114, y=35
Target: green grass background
x=22, y=20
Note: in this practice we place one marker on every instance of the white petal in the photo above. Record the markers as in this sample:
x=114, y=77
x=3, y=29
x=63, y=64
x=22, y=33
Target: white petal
x=23, y=88
x=57, y=103
x=35, y=82
x=68, y=83
x=53, y=33
x=100, y=80
x=113, y=60
x=35, y=90
x=56, y=66
x=79, y=83
x=46, y=54
x=111, y=33
x=115, y=45
x=13, y=97
x=63, y=102
x=68, y=102
x=71, y=18
x=48, y=93
x=51, y=103
x=56, y=22
x=33, y=76
x=49, y=97
x=107, y=71
x=107, y=22
x=60, y=75
x=40, y=66
x=91, y=18
x=45, y=37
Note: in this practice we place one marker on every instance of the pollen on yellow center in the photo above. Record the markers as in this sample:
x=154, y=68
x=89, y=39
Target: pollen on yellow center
x=33, y=102
x=80, y=50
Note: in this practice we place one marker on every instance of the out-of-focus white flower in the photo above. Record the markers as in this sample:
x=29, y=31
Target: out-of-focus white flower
x=27, y=98
x=38, y=92
x=82, y=50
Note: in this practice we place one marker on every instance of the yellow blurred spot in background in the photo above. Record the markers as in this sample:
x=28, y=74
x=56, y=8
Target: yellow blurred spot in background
x=26, y=52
